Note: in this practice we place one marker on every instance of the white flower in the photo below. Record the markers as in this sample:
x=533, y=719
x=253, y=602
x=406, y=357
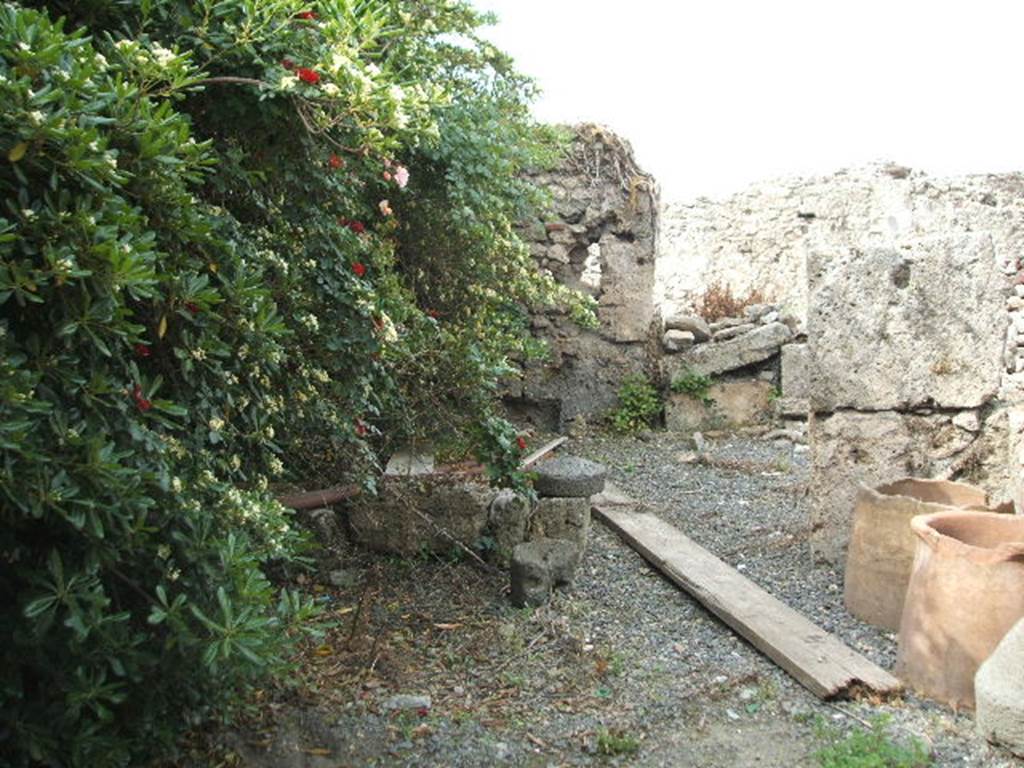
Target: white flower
x=64, y=264
x=111, y=159
x=122, y=44
x=162, y=56
x=216, y=424
x=236, y=462
x=396, y=93
x=28, y=213
x=311, y=322
x=199, y=353
x=330, y=89
x=101, y=59
x=287, y=82
x=269, y=432
x=174, y=574
x=94, y=145
x=23, y=46
x=276, y=467
x=176, y=484
x=163, y=551
x=36, y=117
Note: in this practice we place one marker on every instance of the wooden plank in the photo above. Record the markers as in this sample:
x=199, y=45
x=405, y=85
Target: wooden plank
x=543, y=451
x=816, y=659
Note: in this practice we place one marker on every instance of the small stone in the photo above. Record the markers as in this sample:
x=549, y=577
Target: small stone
x=757, y=311
x=698, y=442
x=726, y=322
x=770, y=317
x=689, y=323
x=540, y=566
x=677, y=341
x=790, y=435
x=1015, y=303
x=343, y=579
x=733, y=331
x=405, y=701
x=569, y=476
x=689, y=457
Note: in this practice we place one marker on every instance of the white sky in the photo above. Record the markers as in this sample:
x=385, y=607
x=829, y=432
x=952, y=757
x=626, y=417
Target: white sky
x=715, y=94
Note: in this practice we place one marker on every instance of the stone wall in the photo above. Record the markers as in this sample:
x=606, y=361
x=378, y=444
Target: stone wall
x=915, y=325
x=599, y=237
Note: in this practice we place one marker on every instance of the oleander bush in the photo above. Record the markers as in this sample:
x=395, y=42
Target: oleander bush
x=242, y=243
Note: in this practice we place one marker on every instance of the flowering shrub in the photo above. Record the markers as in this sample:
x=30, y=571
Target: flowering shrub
x=241, y=244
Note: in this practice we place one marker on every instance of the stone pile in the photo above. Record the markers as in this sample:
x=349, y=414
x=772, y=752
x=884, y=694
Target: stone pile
x=755, y=366
x=557, y=528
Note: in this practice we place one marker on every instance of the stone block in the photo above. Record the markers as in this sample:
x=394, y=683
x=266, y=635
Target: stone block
x=540, y=566
x=507, y=526
x=689, y=323
x=754, y=347
x=566, y=519
x=412, y=515
x=686, y=414
x=999, y=693
x=569, y=476
x=733, y=331
x=796, y=371
x=850, y=448
x=738, y=403
x=677, y=341
x=742, y=402
x=897, y=329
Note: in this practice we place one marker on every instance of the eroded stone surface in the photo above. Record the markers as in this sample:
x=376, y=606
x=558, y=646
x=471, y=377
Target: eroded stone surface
x=562, y=518
x=753, y=347
x=999, y=693
x=897, y=329
x=411, y=515
x=569, y=476
x=850, y=448
x=796, y=371
x=506, y=527
x=540, y=566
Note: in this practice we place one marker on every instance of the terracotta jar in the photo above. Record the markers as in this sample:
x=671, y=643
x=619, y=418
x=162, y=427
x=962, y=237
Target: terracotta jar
x=966, y=591
x=881, y=552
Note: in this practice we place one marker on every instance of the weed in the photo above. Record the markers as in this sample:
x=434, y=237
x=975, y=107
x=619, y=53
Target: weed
x=639, y=404
x=718, y=301
x=616, y=742
x=694, y=384
x=870, y=748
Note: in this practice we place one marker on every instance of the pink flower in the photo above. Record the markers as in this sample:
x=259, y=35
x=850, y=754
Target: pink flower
x=401, y=176
x=385, y=208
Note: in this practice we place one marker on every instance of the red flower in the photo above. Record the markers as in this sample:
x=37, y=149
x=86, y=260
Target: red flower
x=422, y=711
x=192, y=307
x=336, y=162
x=307, y=75
x=308, y=15
x=521, y=442
x=357, y=226
x=288, y=64
x=433, y=313
x=359, y=268
x=142, y=350
x=360, y=427
x=140, y=402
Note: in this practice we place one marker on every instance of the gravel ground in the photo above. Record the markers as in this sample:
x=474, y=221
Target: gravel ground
x=623, y=669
